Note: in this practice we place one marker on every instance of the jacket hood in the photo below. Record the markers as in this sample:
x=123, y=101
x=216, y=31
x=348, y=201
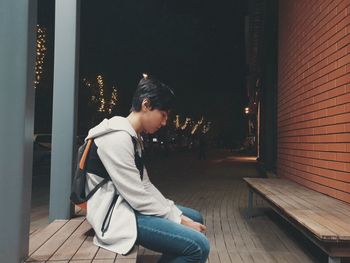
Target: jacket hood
x=116, y=123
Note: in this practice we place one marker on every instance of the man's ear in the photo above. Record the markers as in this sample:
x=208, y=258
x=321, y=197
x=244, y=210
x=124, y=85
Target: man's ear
x=146, y=104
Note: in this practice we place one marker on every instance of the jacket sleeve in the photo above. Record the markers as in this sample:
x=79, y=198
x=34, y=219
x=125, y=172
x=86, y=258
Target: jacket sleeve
x=149, y=186
x=116, y=151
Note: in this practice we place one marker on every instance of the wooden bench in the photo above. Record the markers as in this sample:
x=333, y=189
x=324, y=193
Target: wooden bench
x=323, y=219
x=71, y=241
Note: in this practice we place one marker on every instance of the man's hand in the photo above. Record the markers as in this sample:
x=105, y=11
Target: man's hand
x=192, y=224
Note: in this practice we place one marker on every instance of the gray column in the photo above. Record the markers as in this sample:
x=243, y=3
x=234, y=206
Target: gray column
x=17, y=60
x=269, y=87
x=64, y=107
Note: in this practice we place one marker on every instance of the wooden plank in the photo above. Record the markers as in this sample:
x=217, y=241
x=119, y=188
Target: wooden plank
x=219, y=234
x=213, y=231
x=214, y=256
x=55, y=241
x=72, y=244
x=341, y=230
x=125, y=260
x=87, y=250
x=39, y=237
x=235, y=257
x=304, y=218
x=105, y=254
x=261, y=257
x=32, y=230
x=339, y=220
x=102, y=261
x=246, y=257
x=284, y=258
x=324, y=202
x=294, y=201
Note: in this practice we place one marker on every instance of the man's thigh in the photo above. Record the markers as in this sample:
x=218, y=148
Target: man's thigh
x=162, y=235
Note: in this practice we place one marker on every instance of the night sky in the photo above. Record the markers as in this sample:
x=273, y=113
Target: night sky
x=194, y=46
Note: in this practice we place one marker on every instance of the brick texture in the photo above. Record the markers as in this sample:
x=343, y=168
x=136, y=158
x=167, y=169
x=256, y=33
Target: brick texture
x=314, y=95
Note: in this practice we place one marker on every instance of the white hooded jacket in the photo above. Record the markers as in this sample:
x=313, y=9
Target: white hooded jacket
x=117, y=153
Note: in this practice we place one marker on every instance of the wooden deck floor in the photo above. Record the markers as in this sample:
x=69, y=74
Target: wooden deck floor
x=216, y=188
x=71, y=241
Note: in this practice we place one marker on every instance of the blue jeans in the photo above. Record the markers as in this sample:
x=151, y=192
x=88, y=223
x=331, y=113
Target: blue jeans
x=177, y=242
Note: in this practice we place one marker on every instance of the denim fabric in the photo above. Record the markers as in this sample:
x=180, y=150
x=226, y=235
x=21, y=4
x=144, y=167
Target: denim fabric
x=177, y=242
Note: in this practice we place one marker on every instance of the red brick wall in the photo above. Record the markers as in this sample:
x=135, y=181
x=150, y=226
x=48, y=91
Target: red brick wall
x=314, y=95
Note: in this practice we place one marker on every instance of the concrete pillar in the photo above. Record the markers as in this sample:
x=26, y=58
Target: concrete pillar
x=65, y=90
x=17, y=62
x=268, y=141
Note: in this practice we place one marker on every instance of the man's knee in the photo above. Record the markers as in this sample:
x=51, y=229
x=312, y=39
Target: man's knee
x=205, y=247
x=203, y=250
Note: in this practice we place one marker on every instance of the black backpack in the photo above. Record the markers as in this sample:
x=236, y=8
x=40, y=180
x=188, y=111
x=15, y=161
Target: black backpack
x=88, y=161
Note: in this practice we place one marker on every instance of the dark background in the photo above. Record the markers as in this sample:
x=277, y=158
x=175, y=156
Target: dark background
x=194, y=46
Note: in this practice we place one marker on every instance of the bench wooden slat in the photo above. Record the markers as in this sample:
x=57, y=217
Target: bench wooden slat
x=316, y=223
x=339, y=207
x=332, y=223
x=51, y=245
x=71, y=241
x=305, y=219
x=125, y=260
x=339, y=220
x=283, y=202
x=87, y=250
x=105, y=254
x=323, y=216
x=39, y=237
x=103, y=261
x=72, y=244
x=312, y=201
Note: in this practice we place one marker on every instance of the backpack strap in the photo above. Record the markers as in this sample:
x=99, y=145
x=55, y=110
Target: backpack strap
x=98, y=186
x=94, y=164
x=82, y=162
x=90, y=162
x=139, y=161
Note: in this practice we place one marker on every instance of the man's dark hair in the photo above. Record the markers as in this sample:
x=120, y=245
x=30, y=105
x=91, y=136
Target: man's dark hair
x=159, y=95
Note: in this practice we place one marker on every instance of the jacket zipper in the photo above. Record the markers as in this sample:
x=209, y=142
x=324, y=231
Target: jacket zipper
x=107, y=219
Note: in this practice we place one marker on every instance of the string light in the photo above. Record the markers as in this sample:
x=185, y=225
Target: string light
x=114, y=100
x=101, y=93
x=194, y=128
x=177, y=122
x=200, y=126
x=98, y=97
x=197, y=125
x=40, y=53
x=188, y=120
